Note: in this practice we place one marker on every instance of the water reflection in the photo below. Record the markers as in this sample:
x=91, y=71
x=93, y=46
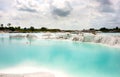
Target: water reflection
x=1, y=41
x=31, y=38
x=29, y=41
x=90, y=58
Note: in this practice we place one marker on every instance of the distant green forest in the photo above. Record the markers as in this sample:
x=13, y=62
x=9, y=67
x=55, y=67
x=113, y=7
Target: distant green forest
x=13, y=29
x=10, y=28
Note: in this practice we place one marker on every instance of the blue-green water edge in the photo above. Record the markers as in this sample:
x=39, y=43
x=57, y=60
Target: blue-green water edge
x=76, y=58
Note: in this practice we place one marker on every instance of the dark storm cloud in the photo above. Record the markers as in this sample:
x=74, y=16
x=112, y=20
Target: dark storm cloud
x=27, y=9
x=62, y=12
x=105, y=6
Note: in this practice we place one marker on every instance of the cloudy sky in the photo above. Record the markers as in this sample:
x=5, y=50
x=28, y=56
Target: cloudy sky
x=63, y=14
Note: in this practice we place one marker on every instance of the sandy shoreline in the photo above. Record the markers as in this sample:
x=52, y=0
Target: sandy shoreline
x=39, y=74
x=31, y=70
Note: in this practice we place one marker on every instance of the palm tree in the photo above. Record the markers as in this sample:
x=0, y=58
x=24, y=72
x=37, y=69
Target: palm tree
x=9, y=24
x=1, y=25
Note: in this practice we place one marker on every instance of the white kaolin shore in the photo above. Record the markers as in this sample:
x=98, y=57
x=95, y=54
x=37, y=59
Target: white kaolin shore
x=111, y=40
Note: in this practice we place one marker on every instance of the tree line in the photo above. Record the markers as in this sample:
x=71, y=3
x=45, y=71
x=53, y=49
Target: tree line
x=10, y=28
x=104, y=29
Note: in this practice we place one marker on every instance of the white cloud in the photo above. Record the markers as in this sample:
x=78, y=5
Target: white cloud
x=64, y=14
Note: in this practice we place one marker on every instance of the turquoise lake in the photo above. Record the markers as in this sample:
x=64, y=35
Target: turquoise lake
x=75, y=58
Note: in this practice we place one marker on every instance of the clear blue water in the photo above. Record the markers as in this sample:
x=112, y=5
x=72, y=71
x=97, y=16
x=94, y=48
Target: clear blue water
x=76, y=58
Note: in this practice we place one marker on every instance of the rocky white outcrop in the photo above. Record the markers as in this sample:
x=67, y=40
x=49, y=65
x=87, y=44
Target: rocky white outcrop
x=103, y=39
x=112, y=40
x=31, y=36
x=17, y=36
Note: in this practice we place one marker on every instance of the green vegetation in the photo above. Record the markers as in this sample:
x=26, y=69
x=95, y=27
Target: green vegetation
x=11, y=29
x=117, y=29
x=103, y=29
